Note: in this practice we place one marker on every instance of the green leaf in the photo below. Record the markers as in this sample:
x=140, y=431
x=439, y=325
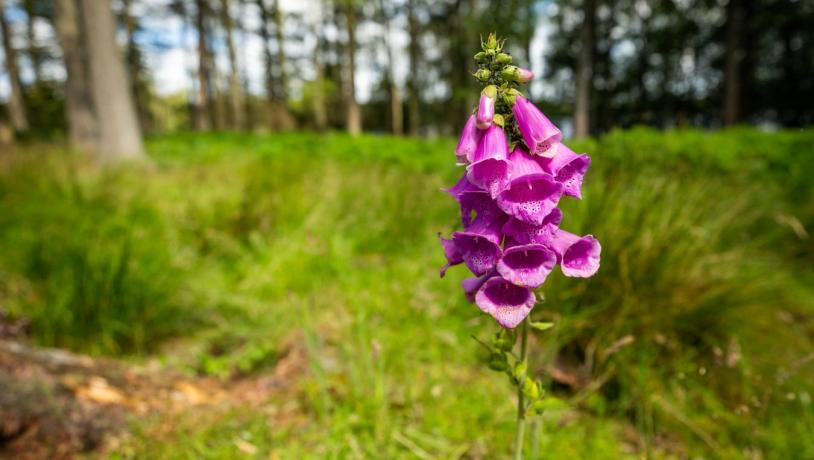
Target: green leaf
x=541, y=325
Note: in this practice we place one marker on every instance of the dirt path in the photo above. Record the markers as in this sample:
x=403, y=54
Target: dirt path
x=56, y=405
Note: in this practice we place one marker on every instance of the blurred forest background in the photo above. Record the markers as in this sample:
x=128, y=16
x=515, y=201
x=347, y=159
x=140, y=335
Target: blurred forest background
x=218, y=220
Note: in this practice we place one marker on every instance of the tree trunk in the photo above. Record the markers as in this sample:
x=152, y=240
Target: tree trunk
x=17, y=110
x=79, y=107
x=282, y=62
x=34, y=51
x=353, y=116
x=235, y=89
x=133, y=59
x=582, y=111
x=204, y=118
x=412, y=78
x=396, y=103
x=318, y=98
x=119, y=133
x=732, y=61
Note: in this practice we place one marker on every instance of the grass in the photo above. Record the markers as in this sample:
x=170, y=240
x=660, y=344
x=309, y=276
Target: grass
x=691, y=341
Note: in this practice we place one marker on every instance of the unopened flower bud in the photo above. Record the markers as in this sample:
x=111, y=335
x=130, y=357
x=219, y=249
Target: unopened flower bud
x=510, y=73
x=525, y=75
x=486, y=107
x=504, y=58
x=483, y=74
x=480, y=57
x=530, y=389
x=491, y=42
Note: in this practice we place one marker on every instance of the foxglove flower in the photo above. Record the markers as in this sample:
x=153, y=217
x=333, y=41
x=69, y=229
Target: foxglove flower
x=531, y=193
x=471, y=286
x=489, y=167
x=526, y=265
x=486, y=107
x=538, y=132
x=468, y=141
x=526, y=233
x=578, y=255
x=568, y=168
x=505, y=302
x=478, y=247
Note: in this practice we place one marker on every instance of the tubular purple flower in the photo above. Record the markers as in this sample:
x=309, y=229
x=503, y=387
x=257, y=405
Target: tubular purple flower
x=463, y=185
x=525, y=233
x=489, y=167
x=578, y=255
x=472, y=285
x=468, y=142
x=568, y=168
x=482, y=205
x=478, y=247
x=505, y=302
x=486, y=107
x=531, y=193
x=538, y=132
x=526, y=265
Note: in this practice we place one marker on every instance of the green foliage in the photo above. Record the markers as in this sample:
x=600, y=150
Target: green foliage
x=693, y=336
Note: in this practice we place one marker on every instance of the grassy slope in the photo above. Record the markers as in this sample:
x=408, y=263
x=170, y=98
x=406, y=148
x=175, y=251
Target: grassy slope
x=232, y=242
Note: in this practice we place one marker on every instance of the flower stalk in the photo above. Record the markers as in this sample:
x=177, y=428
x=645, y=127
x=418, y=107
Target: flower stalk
x=517, y=170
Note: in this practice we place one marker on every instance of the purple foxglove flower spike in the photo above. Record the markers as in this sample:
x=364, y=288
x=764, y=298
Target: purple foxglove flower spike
x=486, y=107
x=578, y=255
x=525, y=233
x=568, y=168
x=531, y=193
x=468, y=141
x=505, y=302
x=526, y=265
x=538, y=132
x=489, y=167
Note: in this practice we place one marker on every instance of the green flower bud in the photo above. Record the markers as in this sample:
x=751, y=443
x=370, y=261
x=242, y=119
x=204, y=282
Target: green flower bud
x=480, y=57
x=530, y=389
x=498, y=120
x=483, y=75
x=504, y=58
x=490, y=91
x=520, y=371
x=539, y=406
x=510, y=73
x=498, y=362
x=491, y=42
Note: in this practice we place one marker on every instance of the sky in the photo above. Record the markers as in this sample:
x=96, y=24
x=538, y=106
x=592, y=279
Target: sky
x=169, y=47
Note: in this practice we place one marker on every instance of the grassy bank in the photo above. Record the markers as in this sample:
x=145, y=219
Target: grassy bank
x=695, y=338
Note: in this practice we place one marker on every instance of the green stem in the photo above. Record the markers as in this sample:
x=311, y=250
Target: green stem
x=521, y=403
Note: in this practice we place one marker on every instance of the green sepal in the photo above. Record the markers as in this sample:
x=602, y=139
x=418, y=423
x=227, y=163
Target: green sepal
x=498, y=120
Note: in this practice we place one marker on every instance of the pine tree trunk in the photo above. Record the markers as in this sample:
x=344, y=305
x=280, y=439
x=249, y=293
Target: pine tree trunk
x=17, y=109
x=412, y=79
x=119, y=133
x=282, y=61
x=134, y=69
x=79, y=107
x=353, y=116
x=34, y=52
x=732, y=62
x=235, y=89
x=318, y=98
x=204, y=118
x=582, y=111
x=396, y=103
